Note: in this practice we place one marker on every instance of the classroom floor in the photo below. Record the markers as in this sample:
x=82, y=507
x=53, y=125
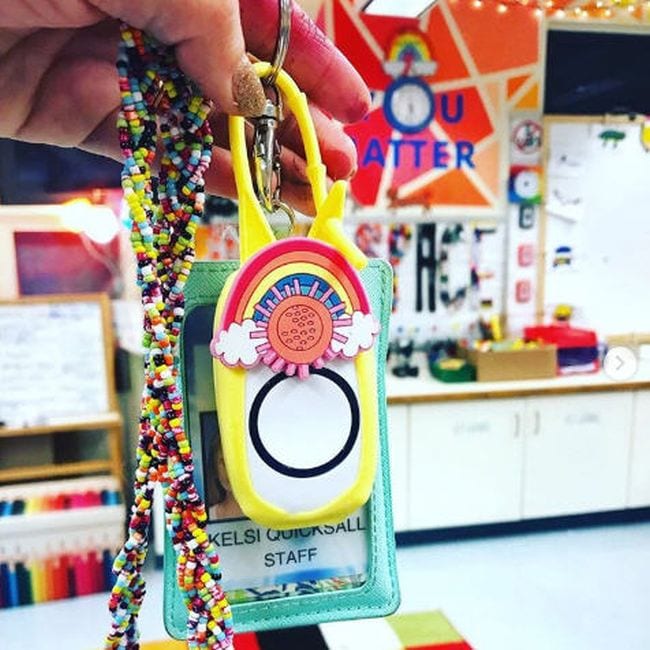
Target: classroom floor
x=586, y=589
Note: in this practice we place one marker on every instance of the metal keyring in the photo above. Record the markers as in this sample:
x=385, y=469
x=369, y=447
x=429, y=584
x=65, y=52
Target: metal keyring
x=281, y=206
x=283, y=41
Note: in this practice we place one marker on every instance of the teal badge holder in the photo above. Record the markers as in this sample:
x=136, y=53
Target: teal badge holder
x=284, y=578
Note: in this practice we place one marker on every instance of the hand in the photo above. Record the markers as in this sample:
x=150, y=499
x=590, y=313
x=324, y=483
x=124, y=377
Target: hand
x=58, y=82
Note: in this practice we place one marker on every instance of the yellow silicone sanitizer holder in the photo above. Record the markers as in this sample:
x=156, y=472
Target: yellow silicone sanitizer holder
x=294, y=360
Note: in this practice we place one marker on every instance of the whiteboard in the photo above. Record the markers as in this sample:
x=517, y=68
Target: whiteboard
x=597, y=203
x=53, y=361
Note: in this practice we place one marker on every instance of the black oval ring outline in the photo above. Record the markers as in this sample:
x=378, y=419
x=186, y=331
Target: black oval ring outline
x=307, y=472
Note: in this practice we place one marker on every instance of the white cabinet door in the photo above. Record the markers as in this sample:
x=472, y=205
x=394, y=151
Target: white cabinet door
x=398, y=447
x=638, y=493
x=576, y=453
x=466, y=463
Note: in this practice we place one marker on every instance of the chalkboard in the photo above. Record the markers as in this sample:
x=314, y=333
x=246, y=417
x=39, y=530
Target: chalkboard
x=593, y=70
x=597, y=229
x=55, y=360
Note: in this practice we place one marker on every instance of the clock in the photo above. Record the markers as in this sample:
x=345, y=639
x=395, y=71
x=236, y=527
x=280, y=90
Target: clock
x=409, y=105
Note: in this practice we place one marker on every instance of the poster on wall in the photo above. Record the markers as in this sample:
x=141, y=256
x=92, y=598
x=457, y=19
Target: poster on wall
x=525, y=184
x=443, y=87
x=525, y=139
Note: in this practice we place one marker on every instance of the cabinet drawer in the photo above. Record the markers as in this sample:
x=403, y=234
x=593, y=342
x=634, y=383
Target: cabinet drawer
x=638, y=494
x=576, y=453
x=466, y=461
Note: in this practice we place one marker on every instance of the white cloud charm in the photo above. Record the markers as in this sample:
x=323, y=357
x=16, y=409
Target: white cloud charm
x=359, y=336
x=235, y=346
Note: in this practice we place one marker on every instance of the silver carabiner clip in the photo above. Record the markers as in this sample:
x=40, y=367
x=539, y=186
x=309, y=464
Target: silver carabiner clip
x=266, y=155
x=266, y=150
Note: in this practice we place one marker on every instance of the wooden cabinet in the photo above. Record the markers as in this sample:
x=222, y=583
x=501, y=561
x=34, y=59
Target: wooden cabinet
x=638, y=493
x=466, y=460
x=576, y=453
x=398, y=448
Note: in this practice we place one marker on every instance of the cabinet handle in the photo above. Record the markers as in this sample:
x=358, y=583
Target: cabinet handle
x=517, y=425
x=537, y=423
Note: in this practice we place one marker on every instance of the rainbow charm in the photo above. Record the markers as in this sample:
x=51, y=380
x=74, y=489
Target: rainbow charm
x=296, y=304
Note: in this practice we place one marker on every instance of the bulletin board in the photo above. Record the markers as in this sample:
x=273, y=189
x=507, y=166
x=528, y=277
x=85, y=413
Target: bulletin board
x=56, y=359
x=595, y=227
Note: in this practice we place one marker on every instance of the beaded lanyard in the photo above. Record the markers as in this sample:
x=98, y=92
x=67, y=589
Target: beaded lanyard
x=157, y=97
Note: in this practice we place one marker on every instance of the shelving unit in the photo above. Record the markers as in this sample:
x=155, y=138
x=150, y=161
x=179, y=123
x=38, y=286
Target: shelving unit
x=60, y=536
x=112, y=424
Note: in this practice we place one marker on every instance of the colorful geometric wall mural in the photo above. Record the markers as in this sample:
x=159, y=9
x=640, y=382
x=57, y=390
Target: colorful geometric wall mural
x=443, y=88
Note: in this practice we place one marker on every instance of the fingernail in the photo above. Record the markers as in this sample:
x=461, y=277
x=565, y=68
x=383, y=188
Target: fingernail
x=359, y=109
x=247, y=90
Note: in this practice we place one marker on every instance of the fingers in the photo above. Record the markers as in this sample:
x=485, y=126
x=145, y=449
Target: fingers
x=295, y=187
x=57, y=85
x=337, y=149
x=55, y=13
x=317, y=66
x=209, y=45
x=21, y=70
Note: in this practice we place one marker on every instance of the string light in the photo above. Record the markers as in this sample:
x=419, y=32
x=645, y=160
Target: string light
x=586, y=8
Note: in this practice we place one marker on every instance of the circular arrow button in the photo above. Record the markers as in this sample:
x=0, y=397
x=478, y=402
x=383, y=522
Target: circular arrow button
x=620, y=363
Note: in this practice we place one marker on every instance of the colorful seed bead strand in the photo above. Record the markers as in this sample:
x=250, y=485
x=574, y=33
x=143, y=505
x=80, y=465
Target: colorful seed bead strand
x=158, y=102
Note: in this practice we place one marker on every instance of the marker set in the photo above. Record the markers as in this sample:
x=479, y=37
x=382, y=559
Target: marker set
x=55, y=578
x=58, y=539
x=46, y=496
x=57, y=502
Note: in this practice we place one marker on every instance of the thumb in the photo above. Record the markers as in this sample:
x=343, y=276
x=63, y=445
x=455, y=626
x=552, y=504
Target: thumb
x=209, y=45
